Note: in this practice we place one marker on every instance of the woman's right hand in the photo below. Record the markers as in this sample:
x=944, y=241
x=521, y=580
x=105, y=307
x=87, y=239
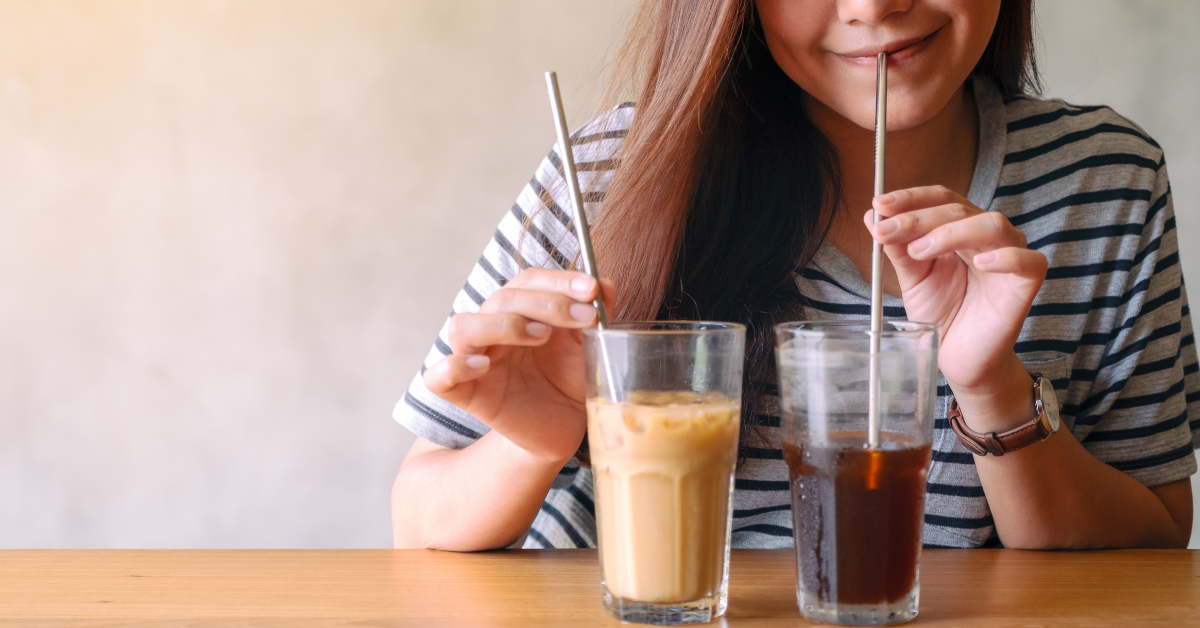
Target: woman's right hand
x=517, y=364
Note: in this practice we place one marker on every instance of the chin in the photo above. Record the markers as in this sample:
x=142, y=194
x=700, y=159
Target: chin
x=905, y=111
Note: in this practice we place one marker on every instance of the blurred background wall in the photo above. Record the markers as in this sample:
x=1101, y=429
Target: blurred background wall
x=229, y=230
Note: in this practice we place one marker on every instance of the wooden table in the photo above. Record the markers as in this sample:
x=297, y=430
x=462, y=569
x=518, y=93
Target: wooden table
x=556, y=588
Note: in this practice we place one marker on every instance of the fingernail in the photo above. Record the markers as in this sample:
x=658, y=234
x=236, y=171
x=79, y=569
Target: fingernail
x=984, y=259
x=583, y=284
x=583, y=312
x=884, y=199
x=919, y=246
x=477, y=362
x=886, y=227
x=536, y=329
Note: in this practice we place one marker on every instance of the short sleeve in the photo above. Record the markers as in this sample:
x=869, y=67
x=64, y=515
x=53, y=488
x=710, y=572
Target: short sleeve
x=536, y=232
x=1136, y=415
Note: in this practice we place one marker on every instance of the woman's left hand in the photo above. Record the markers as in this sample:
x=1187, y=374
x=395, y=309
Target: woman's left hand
x=966, y=271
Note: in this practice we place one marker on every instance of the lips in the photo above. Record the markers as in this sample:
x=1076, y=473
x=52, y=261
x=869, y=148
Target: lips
x=898, y=50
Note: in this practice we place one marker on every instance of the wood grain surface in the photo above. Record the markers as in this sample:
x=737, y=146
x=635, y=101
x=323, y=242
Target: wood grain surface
x=97, y=588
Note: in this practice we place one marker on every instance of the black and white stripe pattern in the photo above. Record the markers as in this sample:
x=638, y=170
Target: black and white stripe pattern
x=1111, y=327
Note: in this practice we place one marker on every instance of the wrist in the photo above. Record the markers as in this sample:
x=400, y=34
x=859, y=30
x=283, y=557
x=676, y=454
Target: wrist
x=1001, y=403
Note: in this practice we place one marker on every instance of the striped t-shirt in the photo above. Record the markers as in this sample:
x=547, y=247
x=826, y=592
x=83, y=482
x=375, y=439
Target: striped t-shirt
x=1110, y=326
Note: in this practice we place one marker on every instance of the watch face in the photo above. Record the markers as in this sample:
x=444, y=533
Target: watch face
x=1049, y=403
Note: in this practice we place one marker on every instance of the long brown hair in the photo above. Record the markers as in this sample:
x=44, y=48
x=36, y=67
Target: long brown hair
x=725, y=188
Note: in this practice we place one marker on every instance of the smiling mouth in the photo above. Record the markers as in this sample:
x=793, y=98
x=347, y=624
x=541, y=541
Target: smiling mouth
x=897, y=51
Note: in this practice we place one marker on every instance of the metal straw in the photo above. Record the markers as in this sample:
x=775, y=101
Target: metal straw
x=582, y=232
x=877, y=252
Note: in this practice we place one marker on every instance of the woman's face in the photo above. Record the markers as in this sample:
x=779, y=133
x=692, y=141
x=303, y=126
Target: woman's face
x=828, y=47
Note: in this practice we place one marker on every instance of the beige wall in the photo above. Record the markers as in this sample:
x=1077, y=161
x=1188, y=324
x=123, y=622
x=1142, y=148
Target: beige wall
x=230, y=229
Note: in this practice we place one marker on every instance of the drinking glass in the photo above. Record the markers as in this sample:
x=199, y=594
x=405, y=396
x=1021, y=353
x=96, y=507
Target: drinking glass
x=857, y=510
x=664, y=409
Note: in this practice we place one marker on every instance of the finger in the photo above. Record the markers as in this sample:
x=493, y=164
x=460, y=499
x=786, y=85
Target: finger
x=901, y=201
x=1013, y=260
x=983, y=232
x=552, y=308
x=908, y=270
x=912, y=225
x=473, y=333
x=452, y=371
x=579, y=286
x=897, y=253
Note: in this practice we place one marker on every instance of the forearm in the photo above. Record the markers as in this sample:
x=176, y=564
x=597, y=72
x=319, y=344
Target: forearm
x=1054, y=494
x=478, y=498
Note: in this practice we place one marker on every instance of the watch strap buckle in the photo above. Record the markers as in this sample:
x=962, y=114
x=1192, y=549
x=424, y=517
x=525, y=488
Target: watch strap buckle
x=978, y=444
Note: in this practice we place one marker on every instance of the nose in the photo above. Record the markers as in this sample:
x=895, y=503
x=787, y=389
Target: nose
x=870, y=12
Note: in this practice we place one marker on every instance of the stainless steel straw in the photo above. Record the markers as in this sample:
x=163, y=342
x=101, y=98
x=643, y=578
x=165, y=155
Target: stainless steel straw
x=877, y=252
x=582, y=232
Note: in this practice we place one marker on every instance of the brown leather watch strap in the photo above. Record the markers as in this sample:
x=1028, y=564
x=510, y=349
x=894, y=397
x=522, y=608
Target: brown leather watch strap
x=982, y=444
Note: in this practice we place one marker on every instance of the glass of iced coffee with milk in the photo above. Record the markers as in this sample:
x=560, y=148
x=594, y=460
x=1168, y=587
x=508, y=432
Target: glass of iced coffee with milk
x=664, y=412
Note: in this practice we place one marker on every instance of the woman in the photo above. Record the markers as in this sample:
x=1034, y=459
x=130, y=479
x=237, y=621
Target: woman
x=1038, y=236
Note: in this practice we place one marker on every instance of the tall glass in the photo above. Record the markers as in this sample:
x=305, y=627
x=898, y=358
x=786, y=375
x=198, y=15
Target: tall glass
x=664, y=411
x=857, y=511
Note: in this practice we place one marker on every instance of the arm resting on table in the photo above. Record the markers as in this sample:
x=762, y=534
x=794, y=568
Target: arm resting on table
x=1057, y=495
x=478, y=498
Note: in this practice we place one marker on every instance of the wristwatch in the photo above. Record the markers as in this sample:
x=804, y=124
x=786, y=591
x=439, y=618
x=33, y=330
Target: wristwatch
x=1044, y=423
